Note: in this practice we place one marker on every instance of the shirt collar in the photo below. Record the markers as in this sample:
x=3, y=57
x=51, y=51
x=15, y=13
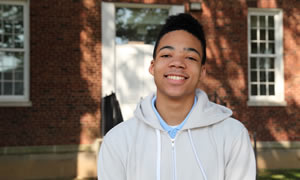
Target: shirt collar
x=171, y=131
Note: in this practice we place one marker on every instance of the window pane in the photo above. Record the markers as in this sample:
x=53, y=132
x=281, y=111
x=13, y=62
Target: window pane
x=271, y=89
x=8, y=75
x=19, y=75
x=262, y=21
x=271, y=76
x=253, y=21
x=254, y=48
x=262, y=76
x=253, y=34
x=271, y=61
x=271, y=48
x=271, y=21
x=271, y=35
x=139, y=24
x=253, y=63
x=262, y=48
x=11, y=12
x=19, y=88
x=253, y=89
x=11, y=61
x=253, y=76
x=8, y=27
x=263, y=90
x=8, y=41
x=19, y=61
x=19, y=27
x=262, y=34
x=19, y=41
x=7, y=60
x=8, y=88
x=262, y=63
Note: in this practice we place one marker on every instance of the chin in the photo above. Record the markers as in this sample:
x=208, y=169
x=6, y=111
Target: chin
x=177, y=94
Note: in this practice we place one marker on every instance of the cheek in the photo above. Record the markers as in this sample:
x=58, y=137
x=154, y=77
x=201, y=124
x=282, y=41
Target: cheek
x=158, y=68
x=196, y=69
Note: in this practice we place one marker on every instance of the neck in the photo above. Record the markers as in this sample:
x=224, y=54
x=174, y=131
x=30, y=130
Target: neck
x=174, y=111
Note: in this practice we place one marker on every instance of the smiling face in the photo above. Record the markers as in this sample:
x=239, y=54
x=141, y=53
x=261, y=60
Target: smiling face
x=177, y=66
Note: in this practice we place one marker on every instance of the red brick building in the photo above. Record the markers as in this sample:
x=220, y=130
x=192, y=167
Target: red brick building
x=57, y=61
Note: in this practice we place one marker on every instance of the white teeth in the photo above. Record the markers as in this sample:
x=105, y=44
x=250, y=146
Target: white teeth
x=175, y=77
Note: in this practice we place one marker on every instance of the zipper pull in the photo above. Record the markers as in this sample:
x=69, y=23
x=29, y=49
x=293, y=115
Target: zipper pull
x=173, y=142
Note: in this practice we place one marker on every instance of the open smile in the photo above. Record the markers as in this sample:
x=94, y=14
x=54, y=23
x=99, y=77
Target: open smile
x=175, y=77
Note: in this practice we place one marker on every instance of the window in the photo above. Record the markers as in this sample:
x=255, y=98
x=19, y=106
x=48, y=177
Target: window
x=265, y=60
x=14, y=65
x=139, y=25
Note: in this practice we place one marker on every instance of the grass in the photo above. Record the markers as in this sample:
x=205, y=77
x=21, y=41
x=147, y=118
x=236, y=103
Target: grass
x=286, y=174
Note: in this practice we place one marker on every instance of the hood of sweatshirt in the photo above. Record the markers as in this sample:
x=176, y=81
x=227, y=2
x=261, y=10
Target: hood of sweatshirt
x=205, y=113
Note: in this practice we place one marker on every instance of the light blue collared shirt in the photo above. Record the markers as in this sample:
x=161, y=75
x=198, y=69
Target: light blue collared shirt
x=172, y=131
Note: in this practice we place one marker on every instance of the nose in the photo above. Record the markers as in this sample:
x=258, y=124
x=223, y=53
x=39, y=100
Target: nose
x=177, y=62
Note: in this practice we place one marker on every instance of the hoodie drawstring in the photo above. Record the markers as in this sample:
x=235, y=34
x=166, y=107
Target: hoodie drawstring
x=158, y=151
x=197, y=158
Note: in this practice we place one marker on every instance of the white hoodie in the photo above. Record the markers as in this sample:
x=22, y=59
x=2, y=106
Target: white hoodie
x=210, y=146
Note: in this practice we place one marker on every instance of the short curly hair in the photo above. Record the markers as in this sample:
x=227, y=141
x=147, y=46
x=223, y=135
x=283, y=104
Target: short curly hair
x=184, y=22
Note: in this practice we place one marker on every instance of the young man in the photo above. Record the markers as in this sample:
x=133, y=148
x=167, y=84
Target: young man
x=177, y=133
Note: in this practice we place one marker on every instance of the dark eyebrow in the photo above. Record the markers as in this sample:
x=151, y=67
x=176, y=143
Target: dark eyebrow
x=192, y=49
x=186, y=49
x=166, y=47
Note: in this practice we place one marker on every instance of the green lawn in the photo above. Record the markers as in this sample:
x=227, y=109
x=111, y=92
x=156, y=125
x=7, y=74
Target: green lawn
x=290, y=174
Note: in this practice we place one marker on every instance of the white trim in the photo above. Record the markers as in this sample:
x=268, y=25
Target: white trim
x=27, y=52
x=24, y=99
x=264, y=11
x=277, y=144
x=266, y=103
x=16, y=104
x=278, y=98
x=108, y=39
x=108, y=48
x=139, y=5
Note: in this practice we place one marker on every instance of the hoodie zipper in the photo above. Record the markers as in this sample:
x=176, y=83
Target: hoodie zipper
x=174, y=158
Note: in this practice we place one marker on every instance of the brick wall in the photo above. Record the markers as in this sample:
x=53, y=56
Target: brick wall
x=65, y=63
x=65, y=77
x=226, y=28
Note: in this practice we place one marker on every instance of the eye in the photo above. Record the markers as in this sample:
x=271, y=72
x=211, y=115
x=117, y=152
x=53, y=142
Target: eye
x=165, y=56
x=192, y=58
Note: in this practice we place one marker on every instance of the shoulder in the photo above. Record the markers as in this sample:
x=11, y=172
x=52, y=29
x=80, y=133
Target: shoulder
x=122, y=131
x=230, y=129
x=124, y=134
x=231, y=134
x=232, y=125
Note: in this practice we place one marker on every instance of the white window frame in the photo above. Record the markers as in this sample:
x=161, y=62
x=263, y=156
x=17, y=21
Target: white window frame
x=278, y=98
x=108, y=39
x=22, y=100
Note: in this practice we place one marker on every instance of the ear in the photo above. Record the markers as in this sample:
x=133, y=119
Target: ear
x=151, y=68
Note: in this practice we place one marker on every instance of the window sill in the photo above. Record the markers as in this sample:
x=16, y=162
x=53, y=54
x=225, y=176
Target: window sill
x=266, y=103
x=16, y=104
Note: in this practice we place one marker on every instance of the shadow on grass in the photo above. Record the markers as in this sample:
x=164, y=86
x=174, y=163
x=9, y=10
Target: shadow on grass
x=286, y=174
